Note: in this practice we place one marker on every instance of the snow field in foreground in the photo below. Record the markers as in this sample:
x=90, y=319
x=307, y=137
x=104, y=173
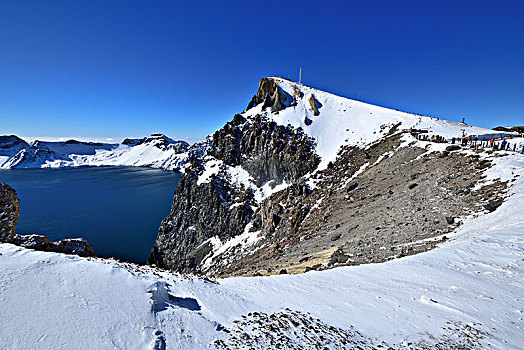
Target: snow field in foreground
x=51, y=301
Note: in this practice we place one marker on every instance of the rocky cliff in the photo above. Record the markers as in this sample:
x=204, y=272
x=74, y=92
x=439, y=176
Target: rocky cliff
x=307, y=180
x=10, y=145
x=216, y=196
x=9, y=212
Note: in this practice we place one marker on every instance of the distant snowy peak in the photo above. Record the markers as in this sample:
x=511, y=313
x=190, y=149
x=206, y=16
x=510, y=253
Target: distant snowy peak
x=11, y=145
x=157, y=151
x=71, y=146
x=334, y=121
x=160, y=141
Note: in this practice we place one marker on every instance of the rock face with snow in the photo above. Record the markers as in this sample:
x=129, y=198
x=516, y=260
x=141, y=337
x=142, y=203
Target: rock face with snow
x=242, y=155
x=159, y=141
x=305, y=180
x=11, y=145
x=519, y=129
x=9, y=212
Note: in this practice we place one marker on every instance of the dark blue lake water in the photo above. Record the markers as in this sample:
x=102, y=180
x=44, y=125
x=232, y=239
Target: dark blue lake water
x=117, y=209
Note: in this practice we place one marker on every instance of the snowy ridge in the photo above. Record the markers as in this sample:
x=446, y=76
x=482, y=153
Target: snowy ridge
x=474, y=282
x=157, y=151
x=342, y=121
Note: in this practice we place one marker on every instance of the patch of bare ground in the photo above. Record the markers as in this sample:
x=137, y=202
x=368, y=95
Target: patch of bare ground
x=369, y=206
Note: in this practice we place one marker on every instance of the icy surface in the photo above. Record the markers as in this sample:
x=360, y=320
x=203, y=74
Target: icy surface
x=51, y=301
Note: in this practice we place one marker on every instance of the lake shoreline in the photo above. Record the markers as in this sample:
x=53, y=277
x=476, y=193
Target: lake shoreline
x=117, y=209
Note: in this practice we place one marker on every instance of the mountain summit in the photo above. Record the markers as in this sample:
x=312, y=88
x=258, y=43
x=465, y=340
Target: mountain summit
x=304, y=179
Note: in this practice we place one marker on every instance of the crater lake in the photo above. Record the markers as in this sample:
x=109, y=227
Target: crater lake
x=116, y=209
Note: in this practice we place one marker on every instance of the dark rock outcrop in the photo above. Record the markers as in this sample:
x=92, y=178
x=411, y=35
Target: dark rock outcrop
x=76, y=246
x=11, y=145
x=452, y=148
x=493, y=205
x=199, y=212
x=9, y=212
x=268, y=151
x=219, y=207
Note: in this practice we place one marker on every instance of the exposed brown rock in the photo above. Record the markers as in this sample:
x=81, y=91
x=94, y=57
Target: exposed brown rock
x=270, y=95
x=315, y=105
x=374, y=217
x=9, y=212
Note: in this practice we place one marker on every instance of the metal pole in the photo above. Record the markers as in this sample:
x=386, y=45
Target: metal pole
x=300, y=76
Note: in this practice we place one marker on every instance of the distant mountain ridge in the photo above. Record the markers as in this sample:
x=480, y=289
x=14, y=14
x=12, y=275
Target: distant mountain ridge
x=519, y=129
x=156, y=150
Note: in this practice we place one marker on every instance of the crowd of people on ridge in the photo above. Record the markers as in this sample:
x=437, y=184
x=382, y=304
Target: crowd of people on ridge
x=472, y=141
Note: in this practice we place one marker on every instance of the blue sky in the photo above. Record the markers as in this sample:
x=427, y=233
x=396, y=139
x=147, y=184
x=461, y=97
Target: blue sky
x=127, y=68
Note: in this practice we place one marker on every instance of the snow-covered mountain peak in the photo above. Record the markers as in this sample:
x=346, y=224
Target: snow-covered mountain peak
x=156, y=150
x=158, y=140
x=334, y=121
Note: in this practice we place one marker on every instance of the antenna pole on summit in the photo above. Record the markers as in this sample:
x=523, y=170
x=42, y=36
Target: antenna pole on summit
x=359, y=95
x=300, y=76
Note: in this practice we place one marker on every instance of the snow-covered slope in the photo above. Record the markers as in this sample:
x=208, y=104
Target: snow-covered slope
x=469, y=288
x=157, y=151
x=10, y=145
x=342, y=121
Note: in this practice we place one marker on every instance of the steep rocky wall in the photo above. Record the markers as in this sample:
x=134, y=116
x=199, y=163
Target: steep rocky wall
x=9, y=212
x=219, y=207
x=198, y=212
x=11, y=145
x=266, y=150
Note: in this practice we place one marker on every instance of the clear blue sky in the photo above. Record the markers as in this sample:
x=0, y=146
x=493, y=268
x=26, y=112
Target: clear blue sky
x=115, y=68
